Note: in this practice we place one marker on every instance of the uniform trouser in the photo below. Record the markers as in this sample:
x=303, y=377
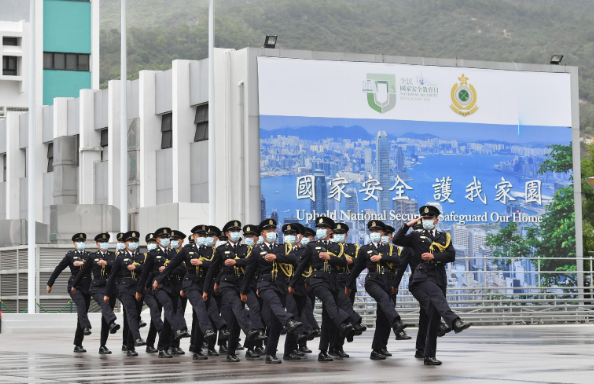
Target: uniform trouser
x=239, y=317
x=432, y=299
x=255, y=315
x=132, y=311
x=422, y=333
x=337, y=342
x=295, y=306
x=194, y=296
x=275, y=302
x=82, y=301
x=107, y=315
x=309, y=311
x=156, y=321
x=169, y=301
x=215, y=317
x=182, y=302
x=125, y=328
x=386, y=314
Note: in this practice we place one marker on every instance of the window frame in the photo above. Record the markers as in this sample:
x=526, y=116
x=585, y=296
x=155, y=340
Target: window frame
x=6, y=61
x=10, y=39
x=50, y=157
x=201, y=122
x=167, y=130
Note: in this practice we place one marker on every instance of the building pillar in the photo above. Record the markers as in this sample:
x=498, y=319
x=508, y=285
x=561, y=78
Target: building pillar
x=149, y=132
x=89, y=147
x=183, y=130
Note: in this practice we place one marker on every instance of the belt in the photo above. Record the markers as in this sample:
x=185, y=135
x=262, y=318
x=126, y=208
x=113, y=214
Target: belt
x=319, y=269
x=76, y=274
x=382, y=271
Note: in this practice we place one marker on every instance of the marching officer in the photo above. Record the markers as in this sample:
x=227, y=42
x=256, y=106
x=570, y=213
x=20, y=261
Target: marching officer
x=429, y=278
x=378, y=284
x=265, y=260
x=176, y=276
x=340, y=235
x=156, y=260
x=100, y=264
x=309, y=235
x=323, y=256
x=250, y=235
x=124, y=274
x=81, y=296
x=151, y=301
x=192, y=287
x=229, y=264
x=213, y=301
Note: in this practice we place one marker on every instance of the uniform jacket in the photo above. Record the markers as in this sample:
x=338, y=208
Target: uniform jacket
x=156, y=259
x=193, y=277
x=228, y=276
x=407, y=257
x=323, y=271
x=270, y=273
x=380, y=272
x=99, y=273
x=123, y=279
x=84, y=283
x=424, y=242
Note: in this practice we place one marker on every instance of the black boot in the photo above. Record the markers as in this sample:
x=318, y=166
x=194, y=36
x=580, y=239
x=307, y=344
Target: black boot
x=443, y=329
x=272, y=360
x=398, y=326
x=104, y=351
x=419, y=354
x=86, y=331
x=385, y=352
x=292, y=325
x=323, y=356
x=113, y=328
x=304, y=349
x=139, y=342
x=432, y=361
x=150, y=349
x=459, y=326
x=79, y=349
x=402, y=336
x=131, y=352
x=199, y=356
x=163, y=354
x=232, y=359
x=376, y=355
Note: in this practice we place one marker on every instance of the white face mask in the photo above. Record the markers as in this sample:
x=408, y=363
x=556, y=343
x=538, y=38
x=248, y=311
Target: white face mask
x=151, y=246
x=260, y=240
x=338, y=238
x=428, y=225
x=133, y=246
x=200, y=241
x=385, y=239
x=290, y=239
x=271, y=237
x=374, y=237
x=321, y=233
x=305, y=241
x=235, y=236
x=249, y=241
x=80, y=246
x=121, y=246
x=174, y=244
x=209, y=241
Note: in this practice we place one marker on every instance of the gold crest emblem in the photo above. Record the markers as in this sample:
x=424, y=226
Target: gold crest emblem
x=321, y=220
x=426, y=209
x=237, y=225
x=373, y=223
x=133, y=234
x=270, y=222
x=104, y=236
x=338, y=226
x=247, y=229
x=151, y=236
x=204, y=227
x=164, y=231
x=288, y=227
x=464, y=97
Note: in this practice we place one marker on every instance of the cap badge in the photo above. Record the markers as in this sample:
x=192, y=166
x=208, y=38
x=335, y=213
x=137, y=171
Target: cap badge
x=164, y=231
x=426, y=209
x=248, y=229
x=151, y=236
x=236, y=224
x=270, y=222
x=321, y=220
x=104, y=235
x=338, y=226
x=288, y=227
x=133, y=234
x=373, y=223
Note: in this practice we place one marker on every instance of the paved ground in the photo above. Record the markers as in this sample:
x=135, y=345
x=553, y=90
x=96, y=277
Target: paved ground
x=505, y=354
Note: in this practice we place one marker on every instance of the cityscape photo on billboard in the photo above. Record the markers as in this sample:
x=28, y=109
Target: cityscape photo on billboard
x=491, y=149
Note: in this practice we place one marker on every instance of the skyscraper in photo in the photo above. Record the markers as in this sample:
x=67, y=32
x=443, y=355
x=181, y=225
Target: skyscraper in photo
x=262, y=208
x=400, y=160
x=382, y=148
x=352, y=203
x=320, y=192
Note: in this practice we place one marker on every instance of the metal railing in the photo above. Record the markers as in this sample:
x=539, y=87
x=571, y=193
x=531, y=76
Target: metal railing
x=482, y=304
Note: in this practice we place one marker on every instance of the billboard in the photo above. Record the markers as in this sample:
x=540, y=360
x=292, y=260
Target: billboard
x=491, y=149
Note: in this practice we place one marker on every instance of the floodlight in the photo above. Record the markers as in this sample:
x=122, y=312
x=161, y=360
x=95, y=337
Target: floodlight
x=556, y=59
x=270, y=41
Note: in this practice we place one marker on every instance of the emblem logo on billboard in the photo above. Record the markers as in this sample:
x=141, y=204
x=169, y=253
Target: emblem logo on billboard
x=464, y=97
x=381, y=91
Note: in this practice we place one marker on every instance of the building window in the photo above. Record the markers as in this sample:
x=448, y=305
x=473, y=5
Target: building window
x=104, y=137
x=66, y=61
x=166, y=131
x=50, y=157
x=10, y=41
x=201, y=121
x=9, y=66
x=4, y=167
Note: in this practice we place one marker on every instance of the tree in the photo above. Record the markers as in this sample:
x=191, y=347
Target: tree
x=508, y=244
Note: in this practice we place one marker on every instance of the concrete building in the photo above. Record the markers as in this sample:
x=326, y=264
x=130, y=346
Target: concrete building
x=382, y=149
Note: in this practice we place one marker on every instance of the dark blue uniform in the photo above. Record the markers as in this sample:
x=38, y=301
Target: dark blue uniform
x=166, y=294
x=272, y=285
x=98, y=287
x=125, y=282
x=229, y=286
x=409, y=258
x=350, y=252
x=213, y=302
x=82, y=296
x=378, y=284
x=324, y=285
x=192, y=285
x=430, y=278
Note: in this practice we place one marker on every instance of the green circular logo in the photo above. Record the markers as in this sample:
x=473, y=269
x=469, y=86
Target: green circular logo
x=464, y=95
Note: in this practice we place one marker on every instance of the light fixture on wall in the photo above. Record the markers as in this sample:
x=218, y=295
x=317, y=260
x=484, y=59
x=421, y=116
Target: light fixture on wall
x=270, y=41
x=556, y=59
